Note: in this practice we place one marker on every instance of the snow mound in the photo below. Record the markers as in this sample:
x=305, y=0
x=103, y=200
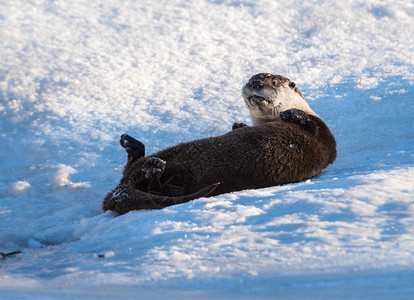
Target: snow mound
x=61, y=179
x=19, y=187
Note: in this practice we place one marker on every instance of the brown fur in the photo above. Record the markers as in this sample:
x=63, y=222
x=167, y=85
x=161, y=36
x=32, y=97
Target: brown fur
x=273, y=153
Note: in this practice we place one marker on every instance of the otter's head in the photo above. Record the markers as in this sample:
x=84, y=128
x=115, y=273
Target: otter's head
x=267, y=95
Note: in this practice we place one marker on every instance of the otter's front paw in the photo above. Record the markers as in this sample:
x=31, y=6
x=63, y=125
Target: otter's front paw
x=238, y=125
x=153, y=166
x=132, y=146
x=295, y=116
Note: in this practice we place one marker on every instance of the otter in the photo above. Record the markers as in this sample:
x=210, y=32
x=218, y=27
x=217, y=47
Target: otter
x=288, y=143
x=267, y=95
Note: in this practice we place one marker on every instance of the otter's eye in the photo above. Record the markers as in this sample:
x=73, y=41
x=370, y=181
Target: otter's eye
x=292, y=85
x=274, y=83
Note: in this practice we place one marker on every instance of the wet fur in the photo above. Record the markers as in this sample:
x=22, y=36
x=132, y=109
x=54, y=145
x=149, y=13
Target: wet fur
x=294, y=146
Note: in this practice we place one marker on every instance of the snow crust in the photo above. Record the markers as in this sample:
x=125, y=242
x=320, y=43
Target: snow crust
x=74, y=75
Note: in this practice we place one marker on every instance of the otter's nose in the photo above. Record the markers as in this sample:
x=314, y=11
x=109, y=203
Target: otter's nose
x=256, y=83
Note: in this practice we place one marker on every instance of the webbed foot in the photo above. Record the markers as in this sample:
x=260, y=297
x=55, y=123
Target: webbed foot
x=132, y=146
x=238, y=125
x=295, y=116
x=153, y=166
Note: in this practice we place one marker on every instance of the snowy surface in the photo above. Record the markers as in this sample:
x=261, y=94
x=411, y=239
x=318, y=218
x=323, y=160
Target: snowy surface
x=74, y=75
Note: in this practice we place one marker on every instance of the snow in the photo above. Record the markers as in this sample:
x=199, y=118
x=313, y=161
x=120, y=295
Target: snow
x=74, y=75
x=62, y=178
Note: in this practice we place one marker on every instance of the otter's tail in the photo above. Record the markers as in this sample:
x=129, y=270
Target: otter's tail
x=124, y=199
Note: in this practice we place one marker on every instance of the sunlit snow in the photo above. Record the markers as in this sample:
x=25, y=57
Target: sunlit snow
x=75, y=75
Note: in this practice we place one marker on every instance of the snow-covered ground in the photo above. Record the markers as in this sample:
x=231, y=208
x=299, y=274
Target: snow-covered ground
x=74, y=75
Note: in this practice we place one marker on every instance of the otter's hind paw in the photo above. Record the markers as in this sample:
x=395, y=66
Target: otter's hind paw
x=294, y=115
x=153, y=166
x=238, y=125
x=132, y=146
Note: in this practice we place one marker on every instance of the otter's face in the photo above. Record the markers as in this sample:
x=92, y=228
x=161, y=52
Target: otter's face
x=267, y=95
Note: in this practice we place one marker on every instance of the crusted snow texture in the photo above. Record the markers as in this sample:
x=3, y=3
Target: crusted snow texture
x=74, y=75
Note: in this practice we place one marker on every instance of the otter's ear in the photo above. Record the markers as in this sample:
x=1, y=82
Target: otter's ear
x=292, y=85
